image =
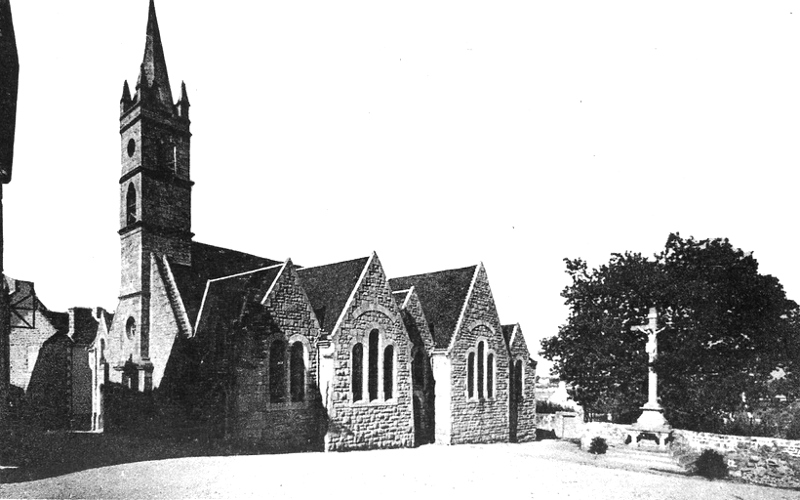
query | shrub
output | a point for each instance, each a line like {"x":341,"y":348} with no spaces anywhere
{"x":598,"y":446}
{"x":711,"y":465}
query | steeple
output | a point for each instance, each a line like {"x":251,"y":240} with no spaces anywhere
{"x":154,"y":67}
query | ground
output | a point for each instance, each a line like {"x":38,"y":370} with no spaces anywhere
{"x":545,"y":469}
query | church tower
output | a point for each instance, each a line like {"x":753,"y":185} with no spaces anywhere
{"x":155,"y":201}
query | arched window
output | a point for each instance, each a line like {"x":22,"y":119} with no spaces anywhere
{"x":471,"y":375}
{"x":130,"y":328}
{"x":357,"y":373}
{"x":490,"y":376}
{"x":372,"y":359}
{"x":388,"y":372}
{"x":130,"y":204}
{"x":102,"y":350}
{"x":297,"y":365}
{"x":418,"y":370}
{"x":518,"y":377}
{"x":277,"y":372}
{"x":480,"y":369}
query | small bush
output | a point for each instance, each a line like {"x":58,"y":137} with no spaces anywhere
{"x":598,"y":446}
{"x":711,"y":465}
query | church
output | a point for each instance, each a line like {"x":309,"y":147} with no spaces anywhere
{"x":334,"y":357}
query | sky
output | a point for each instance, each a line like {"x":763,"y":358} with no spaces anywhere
{"x":438,"y":134}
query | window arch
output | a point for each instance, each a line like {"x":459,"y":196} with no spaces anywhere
{"x":297,"y":368}
{"x":388,"y":372}
{"x":490,"y":376}
{"x":471,"y":375}
{"x":372,"y":359}
{"x":518,"y":380}
{"x":130,"y":328}
{"x":277,"y":372}
{"x":481,"y":361}
{"x":357,"y":372}
{"x":418,"y":369}
{"x":130,"y":204}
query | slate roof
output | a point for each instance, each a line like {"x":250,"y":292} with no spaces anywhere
{"x":507,"y":331}
{"x":59,"y":320}
{"x":400,"y":296}
{"x":210,"y":262}
{"x":225,"y":297}
{"x":442,"y":295}
{"x":328,"y":288}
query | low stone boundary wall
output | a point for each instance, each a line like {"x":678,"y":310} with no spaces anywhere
{"x":564,"y":425}
{"x":759,"y":460}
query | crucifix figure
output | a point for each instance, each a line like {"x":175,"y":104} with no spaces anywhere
{"x":652,"y":419}
{"x":652,"y":331}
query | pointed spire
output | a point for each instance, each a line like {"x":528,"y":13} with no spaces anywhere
{"x":154,"y":66}
{"x":184,"y":96}
{"x":126,"y":93}
{"x":182,"y":106}
{"x":125,"y":101}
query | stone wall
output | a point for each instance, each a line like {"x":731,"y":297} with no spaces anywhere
{"x":379,"y":423}
{"x":25,"y":344}
{"x":759,"y":460}
{"x":163,"y":324}
{"x":479,"y":419}
{"x":279,"y":426}
{"x":525,"y":407}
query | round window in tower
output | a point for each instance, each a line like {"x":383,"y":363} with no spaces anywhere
{"x":131,"y":147}
{"x":130,"y":328}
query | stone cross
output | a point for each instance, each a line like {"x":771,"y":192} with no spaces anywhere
{"x":651,"y":329}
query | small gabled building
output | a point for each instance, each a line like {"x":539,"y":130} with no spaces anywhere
{"x":470,"y":359}
{"x":522,"y":382}
{"x":422,"y":380}
{"x":257,"y":336}
{"x":365,"y":364}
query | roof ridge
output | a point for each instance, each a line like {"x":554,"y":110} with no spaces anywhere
{"x":463,"y":312}
{"x":352,"y":295}
{"x":333,"y":263}
{"x":244,"y":273}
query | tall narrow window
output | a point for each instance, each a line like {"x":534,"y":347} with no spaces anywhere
{"x":102,"y":350}
{"x":277,"y":372}
{"x":418,"y":370}
{"x":130,"y":204}
{"x":490,"y":376}
{"x":471,"y":375}
{"x":480,"y":369}
{"x":297,"y":365}
{"x":357,"y":373}
{"x":372,"y":359}
{"x":518,"y":380}
{"x":130,"y":328}
{"x":388,"y":372}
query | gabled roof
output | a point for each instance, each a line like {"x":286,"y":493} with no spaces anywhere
{"x":400,"y":296}
{"x":226,"y":298}
{"x":508,"y":330}
{"x":210,"y":262}
{"x":442,"y":295}
{"x":329,"y":287}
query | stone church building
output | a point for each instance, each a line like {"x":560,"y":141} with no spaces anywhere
{"x":333,"y":357}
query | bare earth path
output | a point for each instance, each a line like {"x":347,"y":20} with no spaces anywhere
{"x":546,"y":469}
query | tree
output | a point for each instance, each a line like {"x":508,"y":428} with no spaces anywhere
{"x":727,"y":328}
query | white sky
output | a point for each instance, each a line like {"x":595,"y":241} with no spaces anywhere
{"x":438,"y":134}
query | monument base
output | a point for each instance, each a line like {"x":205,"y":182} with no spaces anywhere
{"x":651,"y":424}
